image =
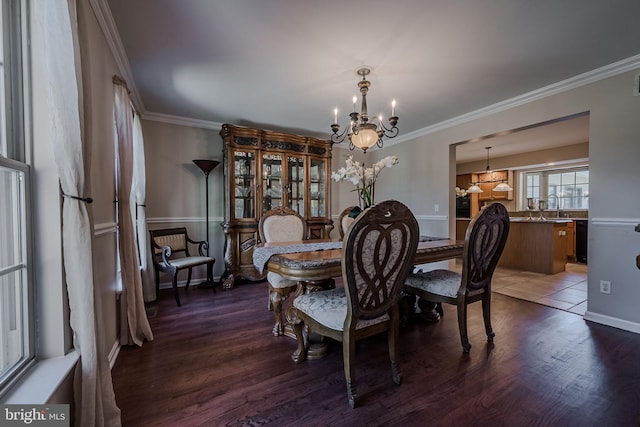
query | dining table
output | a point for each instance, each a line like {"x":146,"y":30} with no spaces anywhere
{"x":318,"y":260}
{"x":314,"y":264}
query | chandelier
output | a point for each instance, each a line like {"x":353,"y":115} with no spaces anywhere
{"x":503,"y":186}
{"x":360,"y":132}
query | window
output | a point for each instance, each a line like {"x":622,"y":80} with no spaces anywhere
{"x":533,"y":186}
{"x":17,"y":348}
{"x":563,"y":189}
{"x":571,"y":190}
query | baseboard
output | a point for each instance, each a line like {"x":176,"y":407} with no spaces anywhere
{"x":612,"y":321}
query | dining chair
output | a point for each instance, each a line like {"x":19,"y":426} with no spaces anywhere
{"x":345,"y":220}
{"x":280,"y":224}
{"x":485,"y":239}
{"x":377,"y":256}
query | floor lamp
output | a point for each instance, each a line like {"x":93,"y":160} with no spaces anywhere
{"x":207,"y":166}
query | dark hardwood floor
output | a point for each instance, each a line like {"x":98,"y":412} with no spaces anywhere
{"x":214,"y":362}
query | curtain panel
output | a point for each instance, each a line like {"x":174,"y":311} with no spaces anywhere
{"x":139,"y":212}
{"x":56,"y":28}
{"x":134,"y":323}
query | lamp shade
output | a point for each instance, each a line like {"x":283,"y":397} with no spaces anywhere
{"x":206,"y":165}
{"x":474,"y":189}
{"x":366,"y":137}
{"x":503,"y":186}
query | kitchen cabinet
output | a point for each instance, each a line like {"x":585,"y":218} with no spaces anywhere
{"x":488,"y":181}
{"x":464,"y":181}
{"x":538,"y":246}
{"x":263,"y":170}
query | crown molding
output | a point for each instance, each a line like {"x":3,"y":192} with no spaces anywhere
{"x":589,"y":77}
{"x":184,"y":121}
{"x":108,"y":26}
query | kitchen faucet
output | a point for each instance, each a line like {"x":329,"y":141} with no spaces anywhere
{"x":558,"y":210}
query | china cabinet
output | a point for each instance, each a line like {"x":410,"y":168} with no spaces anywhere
{"x":263,"y":170}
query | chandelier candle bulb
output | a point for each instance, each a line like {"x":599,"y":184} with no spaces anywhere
{"x":335,"y":115}
{"x":393,"y":108}
{"x":355,"y":99}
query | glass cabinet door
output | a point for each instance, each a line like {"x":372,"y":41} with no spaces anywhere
{"x":244,"y":181}
{"x":295,"y":172}
{"x":318,"y":192}
{"x":272,"y":181}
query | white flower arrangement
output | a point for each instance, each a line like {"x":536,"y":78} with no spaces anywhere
{"x":363,"y":178}
{"x":460,"y":192}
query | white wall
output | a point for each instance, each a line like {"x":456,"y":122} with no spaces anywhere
{"x":176,"y":186}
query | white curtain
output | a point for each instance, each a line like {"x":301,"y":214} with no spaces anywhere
{"x":138,"y":211}
{"x":134,"y":325}
{"x":56,"y":28}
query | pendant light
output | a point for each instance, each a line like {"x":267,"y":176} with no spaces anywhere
{"x":503,"y":186}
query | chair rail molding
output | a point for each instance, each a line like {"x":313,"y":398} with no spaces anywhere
{"x":184,"y":219}
{"x":104,"y":228}
{"x":618,"y":222}
{"x":432,"y":217}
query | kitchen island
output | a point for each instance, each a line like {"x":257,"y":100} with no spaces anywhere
{"x":538,"y":246}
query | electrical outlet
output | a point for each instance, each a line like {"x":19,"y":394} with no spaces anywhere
{"x":605,"y":286}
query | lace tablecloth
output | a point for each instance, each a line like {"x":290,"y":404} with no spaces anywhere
{"x":262,"y":254}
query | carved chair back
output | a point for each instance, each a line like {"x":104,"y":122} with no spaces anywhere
{"x":377,"y":257}
{"x":485,"y":239}
{"x":282,"y":224}
{"x":344,"y":221}
{"x":175,"y":238}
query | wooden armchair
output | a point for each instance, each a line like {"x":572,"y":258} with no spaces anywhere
{"x":377,"y":256}
{"x":484,"y":241}
{"x":280,"y":224}
{"x":170,"y":254}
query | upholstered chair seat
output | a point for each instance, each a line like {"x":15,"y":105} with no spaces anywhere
{"x":440,"y":282}
{"x":329,"y":308}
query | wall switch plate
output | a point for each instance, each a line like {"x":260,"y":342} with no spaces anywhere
{"x":605,"y":286}
{"x":436,"y":208}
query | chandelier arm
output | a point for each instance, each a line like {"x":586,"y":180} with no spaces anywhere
{"x":392,"y":131}
{"x":336,"y":137}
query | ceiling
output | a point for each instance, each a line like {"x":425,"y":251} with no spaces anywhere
{"x":286,"y":64}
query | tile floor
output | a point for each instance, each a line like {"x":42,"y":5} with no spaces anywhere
{"x":565,"y":291}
